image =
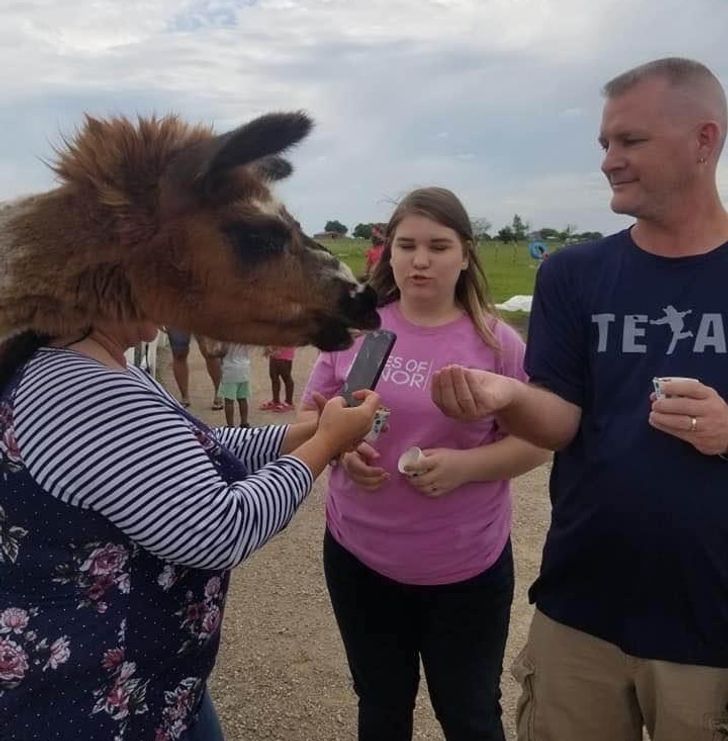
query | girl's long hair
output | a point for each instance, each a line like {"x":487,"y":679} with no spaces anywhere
{"x":471,"y":290}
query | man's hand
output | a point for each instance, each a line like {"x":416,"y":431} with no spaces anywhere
{"x":694,"y":413}
{"x":468,"y":394}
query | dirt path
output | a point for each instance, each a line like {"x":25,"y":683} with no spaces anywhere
{"x":281,"y":673}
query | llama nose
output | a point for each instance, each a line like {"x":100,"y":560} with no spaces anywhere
{"x":358,"y":307}
{"x":355,"y":309}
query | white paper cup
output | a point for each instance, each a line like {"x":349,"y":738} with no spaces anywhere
{"x":657,"y":385}
{"x":380,"y":420}
{"x":409,"y":461}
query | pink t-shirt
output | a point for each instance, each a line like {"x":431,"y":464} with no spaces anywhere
{"x":396,"y":530}
{"x":283,"y":353}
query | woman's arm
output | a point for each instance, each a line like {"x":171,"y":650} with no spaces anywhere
{"x":103,"y":441}
{"x":255,"y":447}
{"x":503,"y":459}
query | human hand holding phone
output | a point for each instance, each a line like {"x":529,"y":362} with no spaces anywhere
{"x":344,"y":426}
{"x":340,"y":429}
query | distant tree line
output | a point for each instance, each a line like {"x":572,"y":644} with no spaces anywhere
{"x":517,"y":231}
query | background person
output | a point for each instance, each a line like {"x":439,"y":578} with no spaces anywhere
{"x":179,"y":343}
{"x":280,"y":371}
{"x":374,"y":253}
{"x":235,"y":384}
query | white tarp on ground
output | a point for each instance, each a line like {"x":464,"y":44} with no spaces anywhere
{"x":516,"y":303}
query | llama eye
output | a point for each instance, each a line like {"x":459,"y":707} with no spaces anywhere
{"x":256,"y":242}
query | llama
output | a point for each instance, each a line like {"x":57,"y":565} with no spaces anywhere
{"x":163,"y":221}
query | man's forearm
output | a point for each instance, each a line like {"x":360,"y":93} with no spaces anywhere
{"x":541,"y":417}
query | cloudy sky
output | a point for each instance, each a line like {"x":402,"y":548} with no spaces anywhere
{"x":497,"y":99}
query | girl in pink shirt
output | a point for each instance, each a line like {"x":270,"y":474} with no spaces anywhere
{"x":280,"y":367}
{"x":420,"y":566}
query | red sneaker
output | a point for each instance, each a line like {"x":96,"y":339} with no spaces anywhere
{"x":268,"y":406}
{"x":284,"y":406}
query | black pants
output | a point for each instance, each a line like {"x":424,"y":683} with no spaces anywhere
{"x":458,"y":630}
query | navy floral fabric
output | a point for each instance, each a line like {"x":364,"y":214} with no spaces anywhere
{"x":99,"y":639}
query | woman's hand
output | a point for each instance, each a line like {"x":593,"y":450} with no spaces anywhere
{"x":439,"y":473}
{"x":340,"y":429}
{"x":345,"y":427}
{"x":359,"y":465}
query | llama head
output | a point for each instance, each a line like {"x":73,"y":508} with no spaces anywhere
{"x":166,"y":222}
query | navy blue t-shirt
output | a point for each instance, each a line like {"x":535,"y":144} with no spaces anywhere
{"x":637,"y":552}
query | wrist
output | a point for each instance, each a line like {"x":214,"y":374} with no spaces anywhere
{"x":297,"y":434}
{"x":517,"y":394}
{"x":724,"y":452}
{"x":316,"y":453}
{"x":328,"y":442}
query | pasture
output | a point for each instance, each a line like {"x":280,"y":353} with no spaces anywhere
{"x":509,"y":269}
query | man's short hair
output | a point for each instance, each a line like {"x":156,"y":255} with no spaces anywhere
{"x":676,"y":71}
{"x":686,"y":74}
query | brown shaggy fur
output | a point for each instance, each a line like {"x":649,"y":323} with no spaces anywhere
{"x":140,"y":228}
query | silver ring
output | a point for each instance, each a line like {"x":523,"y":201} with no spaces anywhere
{"x":693,"y":424}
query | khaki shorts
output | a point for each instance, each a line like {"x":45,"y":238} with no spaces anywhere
{"x":575,"y":687}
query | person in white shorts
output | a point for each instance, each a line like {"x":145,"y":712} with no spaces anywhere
{"x":235,"y":383}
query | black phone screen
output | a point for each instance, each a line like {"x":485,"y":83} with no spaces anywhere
{"x":368,"y":364}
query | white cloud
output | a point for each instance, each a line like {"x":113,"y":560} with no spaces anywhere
{"x":497,"y":99}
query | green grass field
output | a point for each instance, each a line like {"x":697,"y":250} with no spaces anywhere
{"x":509,"y":268}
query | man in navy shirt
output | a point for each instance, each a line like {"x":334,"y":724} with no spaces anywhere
{"x":631,"y":622}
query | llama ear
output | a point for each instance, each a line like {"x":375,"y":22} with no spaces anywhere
{"x":203,"y":166}
{"x":274,"y":168}
{"x":256,"y":140}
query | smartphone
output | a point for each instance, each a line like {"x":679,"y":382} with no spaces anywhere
{"x":368,"y":364}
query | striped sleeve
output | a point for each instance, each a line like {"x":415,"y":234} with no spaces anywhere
{"x":103,"y":440}
{"x":254,"y":446}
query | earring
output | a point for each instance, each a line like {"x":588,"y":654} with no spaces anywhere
{"x":702,"y":160}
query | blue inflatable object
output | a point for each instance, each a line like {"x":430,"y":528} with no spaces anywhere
{"x":537,"y":249}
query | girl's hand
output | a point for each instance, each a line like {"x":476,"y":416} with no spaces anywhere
{"x":439,"y":473}
{"x":359,"y":465}
{"x":317,"y":404}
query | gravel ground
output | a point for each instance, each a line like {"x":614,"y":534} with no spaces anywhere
{"x":281,"y":673}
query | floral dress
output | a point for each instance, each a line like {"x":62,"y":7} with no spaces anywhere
{"x":99,"y":638}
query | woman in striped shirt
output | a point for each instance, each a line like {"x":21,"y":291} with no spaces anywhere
{"x":121,"y":516}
